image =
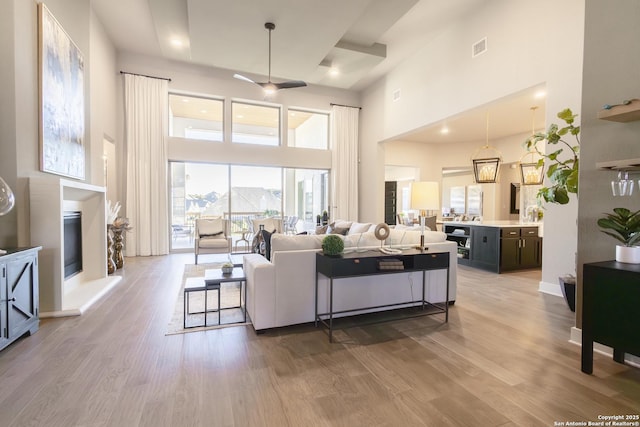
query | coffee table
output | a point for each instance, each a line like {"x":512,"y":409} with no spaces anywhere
{"x":214,"y":277}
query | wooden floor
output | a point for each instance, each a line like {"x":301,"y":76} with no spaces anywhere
{"x":502,"y":360}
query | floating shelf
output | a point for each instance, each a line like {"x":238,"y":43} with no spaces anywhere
{"x":620,"y":165}
{"x":622,"y":113}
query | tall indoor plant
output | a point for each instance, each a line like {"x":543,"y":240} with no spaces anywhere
{"x":562,"y":174}
{"x":562,"y":171}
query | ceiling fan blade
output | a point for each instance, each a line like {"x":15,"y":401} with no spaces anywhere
{"x":246,"y":79}
{"x":290,"y":84}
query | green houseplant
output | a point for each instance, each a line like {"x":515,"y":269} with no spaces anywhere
{"x":624,"y":226}
{"x":563,"y":174}
{"x":332,"y":245}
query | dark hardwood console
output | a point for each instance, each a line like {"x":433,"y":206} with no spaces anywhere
{"x":610,"y":300}
{"x":18,"y":294}
{"x":373,"y":263}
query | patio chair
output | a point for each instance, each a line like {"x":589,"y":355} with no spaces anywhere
{"x":212,"y":237}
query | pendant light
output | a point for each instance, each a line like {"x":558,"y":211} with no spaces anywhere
{"x":531,"y":172}
{"x":486,"y":162}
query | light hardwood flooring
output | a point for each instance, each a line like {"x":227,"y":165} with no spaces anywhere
{"x":502,"y":360}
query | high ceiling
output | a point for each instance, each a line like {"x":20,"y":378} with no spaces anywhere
{"x":361,"y":39}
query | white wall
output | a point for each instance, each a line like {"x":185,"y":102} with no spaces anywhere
{"x":442,"y":80}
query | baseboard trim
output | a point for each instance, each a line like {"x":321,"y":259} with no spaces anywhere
{"x":550,"y":288}
{"x":576,"y":338}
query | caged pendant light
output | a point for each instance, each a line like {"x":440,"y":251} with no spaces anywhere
{"x":532,"y":172}
{"x":486,"y":162}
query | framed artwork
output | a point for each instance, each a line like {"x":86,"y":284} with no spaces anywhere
{"x":474,"y":200}
{"x":61,"y":69}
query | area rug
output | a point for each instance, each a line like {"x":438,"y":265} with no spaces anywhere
{"x":229,"y":297}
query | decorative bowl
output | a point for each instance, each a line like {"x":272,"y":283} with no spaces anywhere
{"x":227,"y":270}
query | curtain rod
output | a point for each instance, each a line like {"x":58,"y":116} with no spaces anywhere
{"x":342,"y":105}
{"x":144,"y":75}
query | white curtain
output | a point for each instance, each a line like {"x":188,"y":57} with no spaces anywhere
{"x":344,"y":165}
{"x":146,"y":116}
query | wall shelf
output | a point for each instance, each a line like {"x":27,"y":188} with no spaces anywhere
{"x":622,"y":113}
{"x":620,"y":165}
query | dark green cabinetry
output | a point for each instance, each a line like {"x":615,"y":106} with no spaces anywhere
{"x":610,"y":300}
{"x":18,"y":294}
{"x":485,"y":248}
{"x":496,"y":249}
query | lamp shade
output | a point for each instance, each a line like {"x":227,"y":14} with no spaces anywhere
{"x":425,"y":196}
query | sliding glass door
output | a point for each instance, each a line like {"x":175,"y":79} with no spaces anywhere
{"x":242,"y":193}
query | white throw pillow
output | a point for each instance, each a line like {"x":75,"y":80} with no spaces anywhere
{"x":211,"y":227}
{"x":359,"y":227}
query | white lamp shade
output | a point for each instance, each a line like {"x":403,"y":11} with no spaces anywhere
{"x":425,"y":196}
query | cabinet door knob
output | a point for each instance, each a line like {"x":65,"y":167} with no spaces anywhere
{"x":12,"y":299}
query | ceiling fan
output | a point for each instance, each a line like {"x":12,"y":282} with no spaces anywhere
{"x":270,"y":87}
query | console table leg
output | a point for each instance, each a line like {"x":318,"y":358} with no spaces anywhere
{"x":587,"y":354}
{"x":315,"y":317}
{"x":618,"y":355}
{"x":446,"y":300}
{"x":424,"y":274}
{"x":331,"y":310}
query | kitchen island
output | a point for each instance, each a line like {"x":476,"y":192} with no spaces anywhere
{"x":497,"y":246}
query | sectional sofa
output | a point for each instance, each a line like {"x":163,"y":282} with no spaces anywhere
{"x":281,"y":290}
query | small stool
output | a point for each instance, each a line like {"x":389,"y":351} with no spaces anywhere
{"x":243,"y":240}
{"x":197,"y":284}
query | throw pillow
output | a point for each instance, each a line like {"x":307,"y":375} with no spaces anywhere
{"x":337,"y":230}
{"x":322,"y":229}
{"x":211,"y":234}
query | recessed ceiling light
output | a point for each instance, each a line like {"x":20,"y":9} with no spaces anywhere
{"x":334,"y":71}
{"x":444,"y":130}
{"x":540,"y":94}
{"x":239,"y":116}
{"x":185,"y":100}
{"x":203,"y":111}
{"x":176,"y":42}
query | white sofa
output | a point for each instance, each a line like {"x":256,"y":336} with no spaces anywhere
{"x":281,"y":292}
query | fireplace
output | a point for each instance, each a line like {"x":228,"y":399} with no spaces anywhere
{"x":72,"y":243}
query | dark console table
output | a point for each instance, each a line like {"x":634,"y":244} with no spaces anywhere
{"x":368,"y":264}
{"x":610,"y":301}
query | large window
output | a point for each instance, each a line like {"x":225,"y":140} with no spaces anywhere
{"x":242,"y":193}
{"x":255,"y":124}
{"x":195,"y":117}
{"x":308,"y":129}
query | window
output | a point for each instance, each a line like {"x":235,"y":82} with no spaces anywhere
{"x":308,"y":129}
{"x":242,"y":193}
{"x":195,"y":117}
{"x":198,"y":190}
{"x":306,"y":195}
{"x":255,"y":124}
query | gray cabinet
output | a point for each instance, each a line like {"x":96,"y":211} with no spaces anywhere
{"x":19,"y":290}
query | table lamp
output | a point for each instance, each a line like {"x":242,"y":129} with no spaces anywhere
{"x":425,"y":196}
{"x":7,"y":201}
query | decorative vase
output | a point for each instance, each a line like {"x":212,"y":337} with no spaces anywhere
{"x":227,"y":270}
{"x":111,"y":266}
{"x":118,"y":246}
{"x":628,"y":254}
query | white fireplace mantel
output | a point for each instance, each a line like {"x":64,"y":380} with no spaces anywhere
{"x":50,"y":197}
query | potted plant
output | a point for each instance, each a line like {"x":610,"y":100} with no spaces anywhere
{"x":227,"y":268}
{"x":563,"y":174}
{"x":624,"y":226}
{"x":332,"y":245}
